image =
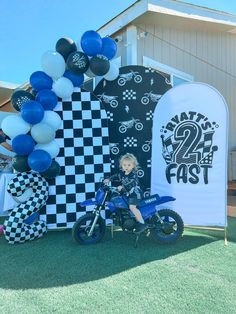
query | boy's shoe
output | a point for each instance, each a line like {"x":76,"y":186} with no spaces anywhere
{"x":140,"y":227}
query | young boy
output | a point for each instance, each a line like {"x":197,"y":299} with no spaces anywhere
{"x":130,"y":185}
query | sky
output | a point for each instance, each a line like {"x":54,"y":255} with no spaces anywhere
{"x":30,"y":28}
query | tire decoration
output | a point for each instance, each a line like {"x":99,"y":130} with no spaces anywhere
{"x":16,"y":229}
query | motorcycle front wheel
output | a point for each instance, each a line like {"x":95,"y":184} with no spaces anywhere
{"x":81,"y":228}
{"x":170,"y":229}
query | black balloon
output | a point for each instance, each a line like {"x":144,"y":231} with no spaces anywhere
{"x":77,"y":62}
{"x":99,"y":65}
{"x":19,"y":97}
{"x":65,"y":46}
{"x":53,"y":171}
{"x":20,"y":164}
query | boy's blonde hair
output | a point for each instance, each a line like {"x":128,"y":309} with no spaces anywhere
{"x":129,"y":157}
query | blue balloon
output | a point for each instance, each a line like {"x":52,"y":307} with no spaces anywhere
{"x":23,"y":144}
{"x":47,"y":98}
{"x":32,"y":218}
{"x":40,"y":80}
{"x":109,"y":47}
{"x":32,"y":112}
{"x":91,"y":43}
{"x":77,"y":80}
{"x":39,"y":160}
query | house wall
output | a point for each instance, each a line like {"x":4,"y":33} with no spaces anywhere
{"x":7,"y":107}
{"x":121,"y":39}
{"x":209,"y":56}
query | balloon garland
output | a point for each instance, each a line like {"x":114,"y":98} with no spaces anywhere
{"x":33,"y":129}
{"x":16,"y":229}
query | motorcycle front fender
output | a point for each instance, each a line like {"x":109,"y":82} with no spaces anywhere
{"x":165,"y":199}
{"x":88,"y":202}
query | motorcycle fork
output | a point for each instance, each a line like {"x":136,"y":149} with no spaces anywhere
{"x":97,"y":214}
{"x":159,"y":218}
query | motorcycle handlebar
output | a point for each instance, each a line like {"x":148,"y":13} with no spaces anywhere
{"x":107,"y":187}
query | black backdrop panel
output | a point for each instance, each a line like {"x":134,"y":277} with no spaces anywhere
{"x":130,"y":101}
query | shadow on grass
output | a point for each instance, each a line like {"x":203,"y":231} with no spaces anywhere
{"x":56,"y":260}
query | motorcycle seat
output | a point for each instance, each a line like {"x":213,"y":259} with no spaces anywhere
{"x":149,"y":200}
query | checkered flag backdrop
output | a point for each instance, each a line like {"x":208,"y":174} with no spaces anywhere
{"x":84,"y":159}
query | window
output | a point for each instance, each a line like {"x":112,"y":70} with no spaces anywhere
{"x":176,"y":77}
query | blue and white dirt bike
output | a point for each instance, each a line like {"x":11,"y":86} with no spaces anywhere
{"x":165,"y":225}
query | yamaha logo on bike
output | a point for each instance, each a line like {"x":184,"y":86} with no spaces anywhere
{"x":188,"y":148}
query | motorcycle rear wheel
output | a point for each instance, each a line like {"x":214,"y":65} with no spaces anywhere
{"x":172,"y":228}
{"x":82,"y":227}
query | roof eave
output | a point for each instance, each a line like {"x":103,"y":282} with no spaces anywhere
{"x":169,"y":7}
{"x":124,"y":18}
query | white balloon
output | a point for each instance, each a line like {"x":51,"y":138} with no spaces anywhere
{"x":63,"y":88}
{"x":14,"y":125}
{"x":53,"y":64}
{"x":52,"y":118}
{"x":52,"y":148}
{"x":42,"y":133}
{"x":113,"y":72}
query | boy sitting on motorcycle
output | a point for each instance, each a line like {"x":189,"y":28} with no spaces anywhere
{"x":129,"y":184}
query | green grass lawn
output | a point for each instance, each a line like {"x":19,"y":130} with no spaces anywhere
{"x":55,"y":275}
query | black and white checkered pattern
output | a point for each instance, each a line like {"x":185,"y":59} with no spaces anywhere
{"x":168,"y":148}
{"x":84,"y":159}
{"x":149,"y":115}
{"x":109,"y":115}
{"x":149,"y":70}
{"x":208,"y":159}
{"x":113,"y":164}
{"x":129,"y":94}
{"x":130,"y":142}
{"x":15,"y":228}
{"x":206,"y":144}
